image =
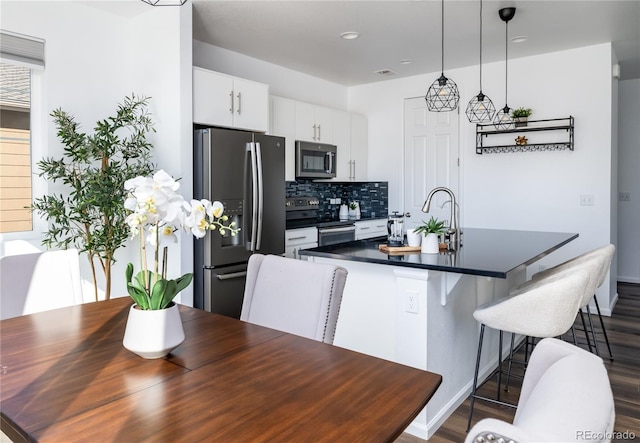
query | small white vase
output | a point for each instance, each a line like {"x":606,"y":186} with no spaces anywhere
{"x":153,"y":333}
{"x":430,"y":244}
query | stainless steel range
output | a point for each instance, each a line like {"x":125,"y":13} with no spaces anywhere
{"x":304,"y":212}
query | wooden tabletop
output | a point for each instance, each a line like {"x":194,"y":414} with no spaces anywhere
{"x":65,"y":376}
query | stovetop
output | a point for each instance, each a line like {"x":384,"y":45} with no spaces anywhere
{"x":320,"y":222}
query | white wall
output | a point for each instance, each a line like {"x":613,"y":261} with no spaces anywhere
{"x":629,"y":181}
{"x":96,"y":54}
{"x":532,"y":190}
{"x":282,"y":82}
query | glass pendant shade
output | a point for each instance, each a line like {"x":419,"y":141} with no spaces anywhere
{"x":503,"y":120}
{"x":442,"y":95}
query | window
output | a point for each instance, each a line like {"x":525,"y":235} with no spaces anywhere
{"x":19,"y":55}
{"x":15,"y":148}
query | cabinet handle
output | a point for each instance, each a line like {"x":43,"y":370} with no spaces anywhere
{"x":231,"y":108}
{"x":365,"y":228}
{"x":314,"y":132}
{"x":239,"y":101}
{"x":296,"y":238}
{"x":319,"y":135}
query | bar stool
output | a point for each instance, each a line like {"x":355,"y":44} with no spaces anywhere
{"x":605,"y":255}
{"x":546,"y":308}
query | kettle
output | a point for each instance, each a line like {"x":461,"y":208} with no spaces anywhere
{"x":395,"y":229}
{"x":344,"y":213}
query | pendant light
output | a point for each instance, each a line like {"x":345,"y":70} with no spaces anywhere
{"x":480,"y":108}
{"x":503,"y":118}
{"x":443,"y":94}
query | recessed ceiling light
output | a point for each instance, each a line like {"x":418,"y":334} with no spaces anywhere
{"x":406,"y":61}
{"x":519,"y":39}
{"x":349,"y":35}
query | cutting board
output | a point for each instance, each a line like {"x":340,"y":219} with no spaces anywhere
{"x":398,"y":249}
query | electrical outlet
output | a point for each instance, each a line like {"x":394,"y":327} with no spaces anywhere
{"x":412,"y":302}
{"x":624,"y":196}
{"x":586,"y":200}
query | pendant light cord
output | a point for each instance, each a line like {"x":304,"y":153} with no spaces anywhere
{"x":442,"y":39}
{"x":506,"y":61}
{"x":480,"y":46}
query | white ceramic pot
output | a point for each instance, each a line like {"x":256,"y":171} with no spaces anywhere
{"x":413,"y":239}
{"x":430,"y":244}
{"x":153,"y":334}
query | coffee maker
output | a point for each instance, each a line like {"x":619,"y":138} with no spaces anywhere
{"x":395,"y":229}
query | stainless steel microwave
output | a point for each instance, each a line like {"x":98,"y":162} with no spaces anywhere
{"x":315,"y":160}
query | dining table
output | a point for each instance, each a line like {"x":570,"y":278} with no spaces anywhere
{"x":65,"y":377}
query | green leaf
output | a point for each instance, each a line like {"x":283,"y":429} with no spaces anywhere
{"x":157,"y":294}
{"x":169,"y":294}
{"x":129,"y":272}
{"x":183,"y":282}
{"x":138,"y":296}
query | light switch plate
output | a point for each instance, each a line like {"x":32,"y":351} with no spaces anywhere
{"x":624,"y":196}
{"x":586,"y":200}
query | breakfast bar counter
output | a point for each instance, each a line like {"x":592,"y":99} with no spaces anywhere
{"x":417,"y":309}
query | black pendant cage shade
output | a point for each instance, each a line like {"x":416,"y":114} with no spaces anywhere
{"x":503,"y":119}
{"x":480,"y":108}
{"x":442,"y":95}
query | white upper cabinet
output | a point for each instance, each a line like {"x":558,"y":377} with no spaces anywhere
{"x":283,"y":124}
{"x":350,"y":135}
{"x":314,"y":123}
{"x":358,"y":147}
{"x":224,"y":100}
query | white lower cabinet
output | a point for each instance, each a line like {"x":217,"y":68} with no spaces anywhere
{"x":371,"y":228}
{"x":298,"y":239}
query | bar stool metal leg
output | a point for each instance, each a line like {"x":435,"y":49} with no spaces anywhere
{"x":475,"y":377}
{"x":604,"y":331}
{"x":593,"y":332}
{"x":584,"y":326}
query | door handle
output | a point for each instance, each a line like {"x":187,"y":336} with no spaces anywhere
{"x":254,"y":189}
{"x":231,"y":275}
{"x":260,"y":195}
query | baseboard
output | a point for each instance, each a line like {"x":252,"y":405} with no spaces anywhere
{"x":628,"y":280}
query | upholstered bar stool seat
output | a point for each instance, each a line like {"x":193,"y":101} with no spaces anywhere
{"x":295,"y":296}
{"x":544,"y":309}
{"x":605,"y":255}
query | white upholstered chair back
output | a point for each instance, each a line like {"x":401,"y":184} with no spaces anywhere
{"x":566,"y":396}
{"x":294,"y":296}
{"x":38,"y":282}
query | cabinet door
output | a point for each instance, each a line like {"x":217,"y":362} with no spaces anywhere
{"x":212,"y":98}
{"x":342,"y":139}
{"x":251,"y":105}
{"x":283,"y":118}
{"x":359,"y":141}
{"x":324,"y":124}
{"x":305,"y":122}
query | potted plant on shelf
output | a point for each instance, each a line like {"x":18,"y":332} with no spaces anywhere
{"x":521,"y":116}
{"x":156,"y":213}
{"x":430,"y":231}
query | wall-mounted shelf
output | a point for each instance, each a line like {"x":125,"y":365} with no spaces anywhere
{"x":557,"y":141}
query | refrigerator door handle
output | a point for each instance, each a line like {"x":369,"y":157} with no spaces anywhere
{"x":254,"y":189}
{"x":258,"y":241}
{"x":231,"y":275}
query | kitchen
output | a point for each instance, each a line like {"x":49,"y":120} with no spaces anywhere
{"x":536,"y":191}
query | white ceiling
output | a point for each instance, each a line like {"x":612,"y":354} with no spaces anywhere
{"x":304,"y":35}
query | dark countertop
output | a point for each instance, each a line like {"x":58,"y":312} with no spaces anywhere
{"x":485,"y":252}
{"x":320,"y":222}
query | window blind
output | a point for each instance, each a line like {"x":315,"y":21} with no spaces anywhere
{"x":22,"y":50}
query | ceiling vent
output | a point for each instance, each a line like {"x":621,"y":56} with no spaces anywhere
{"x":385,"y":72}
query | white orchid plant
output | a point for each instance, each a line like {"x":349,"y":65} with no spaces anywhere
{"x":157,"y":212}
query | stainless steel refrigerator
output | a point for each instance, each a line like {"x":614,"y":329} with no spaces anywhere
{"x":244,"y":171}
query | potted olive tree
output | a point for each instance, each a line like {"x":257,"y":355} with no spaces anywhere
{"x":90,"y":214}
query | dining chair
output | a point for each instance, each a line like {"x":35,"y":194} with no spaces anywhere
{"x":295,"y":296}
{"x":605,"y":255}
{"x":554,"y":405}
{"x":31,"y":283}
{"x":544,"y":309}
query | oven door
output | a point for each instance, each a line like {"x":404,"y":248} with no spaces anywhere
{"x":334,"y":235}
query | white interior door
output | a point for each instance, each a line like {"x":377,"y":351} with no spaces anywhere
{"x":430,"y":160}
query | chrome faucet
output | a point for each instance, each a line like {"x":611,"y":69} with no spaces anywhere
{"x":452,"y":232}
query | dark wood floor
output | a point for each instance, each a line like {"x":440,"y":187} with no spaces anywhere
{"x":623,"y":329}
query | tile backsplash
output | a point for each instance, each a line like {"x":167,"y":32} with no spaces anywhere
{"x":372,"y":196}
